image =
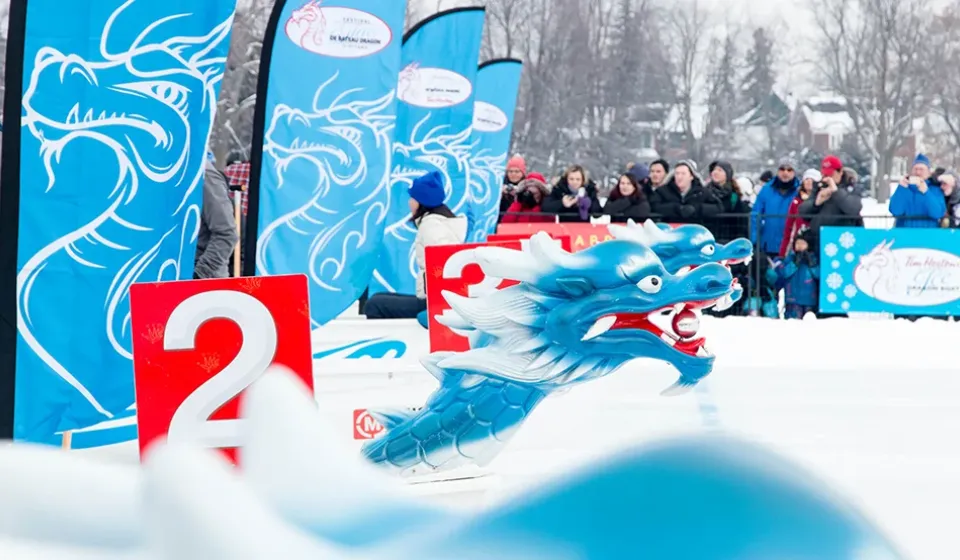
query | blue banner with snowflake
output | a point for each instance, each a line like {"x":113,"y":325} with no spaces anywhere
{"x":904,"y":271}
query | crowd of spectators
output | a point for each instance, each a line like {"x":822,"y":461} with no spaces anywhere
{"x":782,"y":216}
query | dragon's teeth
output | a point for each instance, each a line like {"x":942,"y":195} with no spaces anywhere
{"x":748,"y":260}
{"x":599,"y":327}
{"x":677,"y":308}
{"x":724,"y":303}
{"x":702,"y":352}
{"x":668,"y":339}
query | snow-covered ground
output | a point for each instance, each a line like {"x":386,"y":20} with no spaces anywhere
{"x":876,"y":215}
{"x":871,"y":406}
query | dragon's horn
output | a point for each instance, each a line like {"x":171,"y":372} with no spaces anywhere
{"x":654,"y":232}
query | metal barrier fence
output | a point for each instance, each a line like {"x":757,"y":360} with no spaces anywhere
{"x":726,"y":227}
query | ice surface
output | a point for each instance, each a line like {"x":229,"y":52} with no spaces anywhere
{"x":869,"y":406}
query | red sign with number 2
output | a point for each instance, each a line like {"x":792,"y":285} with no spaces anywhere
{"x":197,"y":345}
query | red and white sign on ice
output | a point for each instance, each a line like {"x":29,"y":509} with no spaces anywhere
{"x":198,"y":344}
{"x":524,"y":239}
{"x":454,"y":268}
{"x":365,"y":426}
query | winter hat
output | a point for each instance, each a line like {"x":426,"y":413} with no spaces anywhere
{"x":517,"y":162}
{"x":787,"y":162}
{"x":956,"y":180}
{"x":535,"y":181}
{"x":725,"y":165}
{"x":806,"y":234}
{"x":689,"y":164}
{"x":830,"y":165}
{"x":428,"y":190}
{"x":812,"y":174}
{"x":639,"y":172}
{"x":537,"y":177}
{"x":923,"y":160}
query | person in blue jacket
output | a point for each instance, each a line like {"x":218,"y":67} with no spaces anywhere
{"x":799,"y":275}
{"x":769,"y":216}
{"x":918,"y":202}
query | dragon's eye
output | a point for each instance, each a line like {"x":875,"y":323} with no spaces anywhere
{"x":709,"y":250}
{"x":651,"y":284}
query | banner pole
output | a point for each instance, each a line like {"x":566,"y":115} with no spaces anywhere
{"x":237,"y":204}
{"x":10,"y":213}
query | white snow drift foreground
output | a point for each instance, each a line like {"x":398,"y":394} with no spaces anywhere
{"x":299,"y":497}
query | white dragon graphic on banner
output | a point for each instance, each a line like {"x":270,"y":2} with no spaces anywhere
{"x":135,"y":142}
{"x":327,"y":149}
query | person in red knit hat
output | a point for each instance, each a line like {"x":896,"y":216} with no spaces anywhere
{"x":526,"y":206}
{"x":516,"y":173}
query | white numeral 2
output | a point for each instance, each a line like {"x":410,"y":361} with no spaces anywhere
{"x":191,"y":422}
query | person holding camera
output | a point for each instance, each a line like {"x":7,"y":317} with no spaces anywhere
{"x":798,"y":275}
{"x":918,"y":201}
{"x":834,"y":201}
{"x":574,"y":198}
{"x":515,"y":174}
{"x":529,"y":196}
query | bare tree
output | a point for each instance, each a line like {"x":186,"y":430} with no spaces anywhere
{"x":504,"y":27}
{"x":873,"y":53}
{"x":233,"y":129}
{"x":687,"y":32}
{"x":723,"y":99}
{"x":945,"y":123}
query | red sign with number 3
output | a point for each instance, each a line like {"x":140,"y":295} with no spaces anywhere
{"x":197,"y":345}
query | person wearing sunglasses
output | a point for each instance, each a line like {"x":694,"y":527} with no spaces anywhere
{"x":769,"y":216}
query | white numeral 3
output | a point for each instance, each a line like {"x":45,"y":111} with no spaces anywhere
{"x":191,"y":422}
{"x":454,"y":266}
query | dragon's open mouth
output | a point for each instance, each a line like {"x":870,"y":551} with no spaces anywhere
{"x":677,"y":325}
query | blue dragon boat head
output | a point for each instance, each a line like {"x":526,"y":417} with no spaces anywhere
{"x":573,"y":318}
{"x":685,"y":247}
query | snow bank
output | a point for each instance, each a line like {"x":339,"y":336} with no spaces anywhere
{"x":870,"y":405}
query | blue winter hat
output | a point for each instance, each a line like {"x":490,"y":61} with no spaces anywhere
{"x":639,"y":172}
{"x":428,"y":190}
{"x":924,"y":160}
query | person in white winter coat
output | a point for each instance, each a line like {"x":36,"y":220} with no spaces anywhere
{"x":436,"y":225}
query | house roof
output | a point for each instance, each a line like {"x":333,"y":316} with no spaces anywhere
{"x":827,"y":115}
{"x":699,"y":114}
{"x":774,"y":109}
